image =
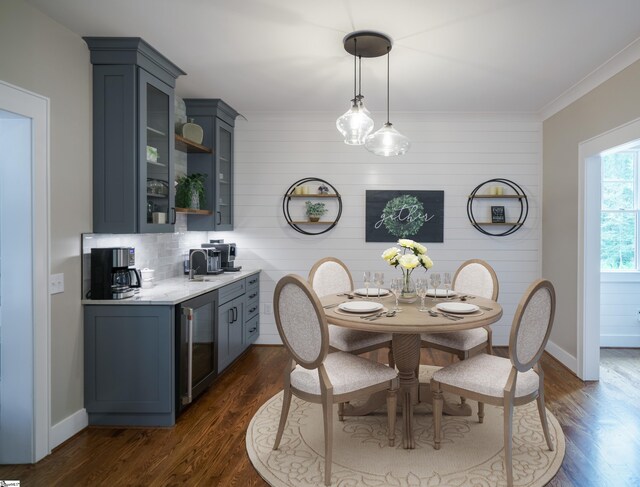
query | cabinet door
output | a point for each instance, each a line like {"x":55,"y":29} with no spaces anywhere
{"x":224,"y":176}
{"x":156,"y":209}
{"x":129,"y":357}
{"x":230,"y":332}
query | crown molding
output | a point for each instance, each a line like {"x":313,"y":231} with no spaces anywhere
{"x":621,"y":60}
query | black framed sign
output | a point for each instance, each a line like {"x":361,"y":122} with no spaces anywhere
{"x":418,"y":215}
{"x":497,"y":214}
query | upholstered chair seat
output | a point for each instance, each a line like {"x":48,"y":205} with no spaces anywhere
{"x":331,"y":276}
{"x":317,"y":376}
{"x":464,"y":340}
{"x":505,"y":382}
{"x":347,"y":373}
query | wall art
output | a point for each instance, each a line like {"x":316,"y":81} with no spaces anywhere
{"x":418,"y":215}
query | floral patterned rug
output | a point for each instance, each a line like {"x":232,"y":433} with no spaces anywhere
{"x":471,"y":454}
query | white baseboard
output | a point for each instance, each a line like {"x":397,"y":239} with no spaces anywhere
{"x":620,"y":341}
{"x":268,"y":340}
{"x":562,"y":356}
{"x":69,"y":426}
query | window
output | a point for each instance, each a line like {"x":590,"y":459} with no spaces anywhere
{"x":619,"y":212}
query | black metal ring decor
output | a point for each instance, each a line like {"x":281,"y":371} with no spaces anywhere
{"x":519,"y":194}
{"x":287,"y":199}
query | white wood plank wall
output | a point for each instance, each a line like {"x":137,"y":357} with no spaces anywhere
{"x":619,"y":306}
{"x":450,"y":153}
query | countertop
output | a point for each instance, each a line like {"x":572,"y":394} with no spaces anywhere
{"x":176,"y":290}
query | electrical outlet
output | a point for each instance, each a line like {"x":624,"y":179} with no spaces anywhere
{"x":56,"y":283}
{"x":266,"y":308}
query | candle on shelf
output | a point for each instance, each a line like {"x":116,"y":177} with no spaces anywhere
{"x":493,"y":190}
{"x":297,"y":190}
{"x":499,"y":190}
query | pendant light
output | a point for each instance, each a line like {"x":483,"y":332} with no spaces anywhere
{"x":356,"y":124}
{"x":387,"y":141}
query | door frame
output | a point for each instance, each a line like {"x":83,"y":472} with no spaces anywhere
{"x":588,"y":292}
{"x":36,"y":107}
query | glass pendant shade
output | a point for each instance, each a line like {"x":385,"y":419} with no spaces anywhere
{"x":387,"y":142}
{"x":355,"y":124}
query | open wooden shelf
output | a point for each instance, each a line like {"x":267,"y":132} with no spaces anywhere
{"x":186,"y":145}
{"x":191,"y":211}
{"x":498,"y":196}
{"x":307,"y":222}
{"x":312,"y":195}
{"x":512,"y":224}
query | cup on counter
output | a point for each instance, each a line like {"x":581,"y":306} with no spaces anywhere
{"x":159,"y":217}
{"x":147,"y":277}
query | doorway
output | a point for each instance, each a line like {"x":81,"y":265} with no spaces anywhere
{"x":24,"y":276}
{"x":589,"y":235}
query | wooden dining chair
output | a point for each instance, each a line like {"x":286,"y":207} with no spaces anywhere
{"x":331,"y":276}
{"x":505,"y":382}
{"x":475,"y":277}
{"x":317,"y":376}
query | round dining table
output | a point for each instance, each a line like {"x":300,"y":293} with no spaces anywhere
{"x":406,"y":327}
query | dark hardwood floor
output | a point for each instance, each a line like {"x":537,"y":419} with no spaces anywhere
{"x":601,"y":421}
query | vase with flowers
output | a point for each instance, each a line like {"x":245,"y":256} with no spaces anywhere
{"x":408,"y":257}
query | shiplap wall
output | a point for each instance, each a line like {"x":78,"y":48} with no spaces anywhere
{"x":619,"y":305}
{"x":450,"y":153}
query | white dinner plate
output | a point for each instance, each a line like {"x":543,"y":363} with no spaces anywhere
{"x":360,"y":306}
{"x":462,"y":308}
{"x":373,"y":291}
{"x":441,"y":293}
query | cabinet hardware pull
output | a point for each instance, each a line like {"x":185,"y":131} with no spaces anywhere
{"x":219,"y":217}
{"x":253,"y":295}
{"x":252,"y":329}
{"x":235,"y":314}
{"x":253,"y":281}
{"x":252,"y":309}
{"x":188,"y":312}
{"x":230,"y":315}
{"x":173,"y":220}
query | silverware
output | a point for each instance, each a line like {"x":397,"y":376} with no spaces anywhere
{"x":484,"y":308}
{"x":373,"y":316}
{"x":388,"y":314}
{"x":446,"y":315}
{"x":331,"y":305}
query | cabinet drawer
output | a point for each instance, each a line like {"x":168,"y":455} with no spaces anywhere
{"x":253,"y":282}
{"x":252,"y":309}
{"x":251,"y":330}
{"x":231,"y":291}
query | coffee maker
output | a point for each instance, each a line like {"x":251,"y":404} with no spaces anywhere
{"x":112,"y":275}
{"x":228,"y":253}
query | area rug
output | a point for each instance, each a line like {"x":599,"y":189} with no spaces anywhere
{"x":471,"y":455}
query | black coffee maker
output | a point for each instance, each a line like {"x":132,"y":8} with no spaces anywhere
{"x":112,"y":275}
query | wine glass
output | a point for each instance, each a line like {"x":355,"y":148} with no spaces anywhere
{"x":422,"y":285}
{"x":378,"y":279}
{"x":446,"y":282}
{"x":396,"y":289}
{"x":367,"y":282}
{"x":435,"y":282}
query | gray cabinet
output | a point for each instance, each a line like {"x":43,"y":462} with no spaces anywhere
{"x":238,"y":319}
{"x":129,"y":365}
{"x":217,"y":120}
{"x":133,"y":110}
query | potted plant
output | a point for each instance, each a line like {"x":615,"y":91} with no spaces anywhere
{"x":315,"y":210}
{"x":190,"y":191}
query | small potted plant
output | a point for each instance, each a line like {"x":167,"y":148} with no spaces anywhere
{"x":315,"y":210}
{"x":190,"y":191}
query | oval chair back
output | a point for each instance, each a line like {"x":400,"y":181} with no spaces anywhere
{"x":532,"y":325}
{"x":478,"y":278}
{"x":301,"y":322}
{"x":330,"y":276}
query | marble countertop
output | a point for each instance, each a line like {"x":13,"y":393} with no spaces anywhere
{"x":176,"y":289}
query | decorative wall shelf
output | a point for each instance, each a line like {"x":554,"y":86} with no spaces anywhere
{"x":191,"y":211}
{"x":519,"y":195}
{"x":186,"y":145}
{"x":289,"y":195}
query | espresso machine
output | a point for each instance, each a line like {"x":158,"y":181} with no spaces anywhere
{"x":228,"y":254}
{"x":112,"y":273}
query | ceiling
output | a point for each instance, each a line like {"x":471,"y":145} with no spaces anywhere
{"x":448,"y":55}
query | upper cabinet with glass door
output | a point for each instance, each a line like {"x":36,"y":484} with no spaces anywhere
{"x":133,"y":141}
{"x":217,"y":120}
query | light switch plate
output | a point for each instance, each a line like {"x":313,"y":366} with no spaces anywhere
{"x":56,"y":283}
{"x":266,"y":308}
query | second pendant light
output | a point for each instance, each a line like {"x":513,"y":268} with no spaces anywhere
{"x":356,"y":123}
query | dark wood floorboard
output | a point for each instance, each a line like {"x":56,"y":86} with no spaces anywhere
{"x":601,"y":421}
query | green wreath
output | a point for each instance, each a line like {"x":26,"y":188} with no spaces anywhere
{"x":403,"y":216}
